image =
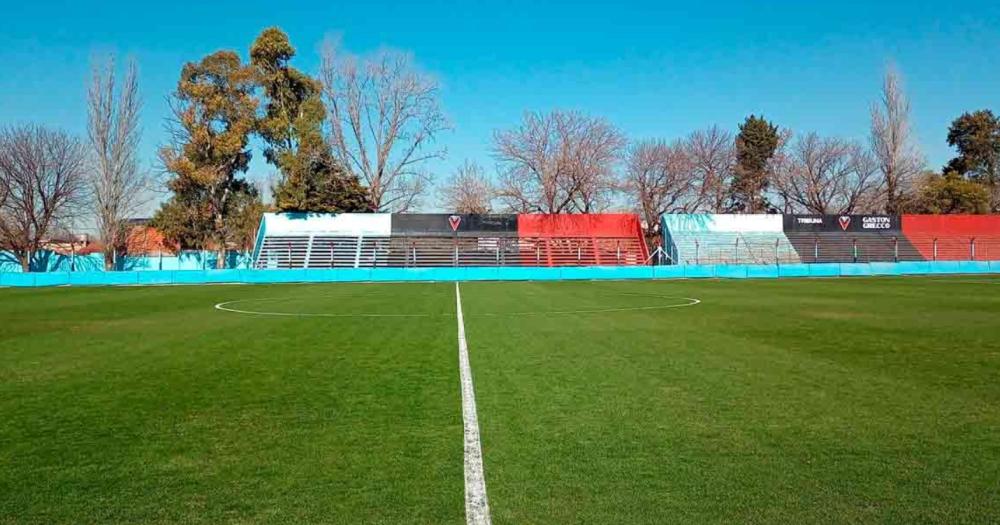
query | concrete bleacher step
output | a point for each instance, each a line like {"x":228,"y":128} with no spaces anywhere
{"x":733,"y":248}
{"x":853,"y":247}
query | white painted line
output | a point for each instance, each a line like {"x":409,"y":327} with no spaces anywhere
{"x":477,"y":507}
{"x":228,"y":307}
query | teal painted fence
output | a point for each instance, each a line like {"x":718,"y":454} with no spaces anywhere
{"x":186,"y":260}
{"x":722,"y":271}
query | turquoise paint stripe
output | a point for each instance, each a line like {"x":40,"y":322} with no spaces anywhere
{"x":763,"y":271}
{"x":731,"y":271}
{"x":722,"y":271}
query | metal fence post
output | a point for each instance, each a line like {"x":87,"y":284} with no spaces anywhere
{"x":456,"y":254}
{"x":935,"y":248}
{"x":855,"y":241}
{"x":895,"y":248}
{"x":972,"y":248}
{"x":697,"y":251}
{"x":816,"y":249}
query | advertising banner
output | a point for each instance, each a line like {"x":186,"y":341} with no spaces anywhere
{"x":454,"y":225}
{"x":842,"y":223}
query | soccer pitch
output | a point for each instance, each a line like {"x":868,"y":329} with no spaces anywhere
{"x":798,"y":401}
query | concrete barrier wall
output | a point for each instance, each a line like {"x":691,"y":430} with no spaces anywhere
{"x":721,"y":271}
{"x":186,"y":260}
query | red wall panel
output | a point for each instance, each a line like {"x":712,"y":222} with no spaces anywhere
{"x":968,"y":225}
{"x":554,"y":236}
{"x":950,"y":237}
{"x":578,"y":225}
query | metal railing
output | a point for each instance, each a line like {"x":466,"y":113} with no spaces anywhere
{"x":832,"y":247}
{"x":365,"y":252}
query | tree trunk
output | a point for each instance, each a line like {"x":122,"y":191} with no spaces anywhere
{"x":109,"y":260}
{"x":220,"y":259}
{"x":25,"y":259}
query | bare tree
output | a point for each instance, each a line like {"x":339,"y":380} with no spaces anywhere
{"x":712,"y":155}
{"x":660,"y":178}
{"x":118,"y":185}
{"x":899,"y":160}
{"x":4,"y":192}
{"x":468,"y":190}
{"x":561,"y":162}
{"x":44,"y":172}
{"x":825,"y":176}
{"x":384,"y":118}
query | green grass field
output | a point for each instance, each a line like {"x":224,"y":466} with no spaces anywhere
{"x":794,"y":401}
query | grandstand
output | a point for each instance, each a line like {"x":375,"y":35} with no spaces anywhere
{"x":317,"y":240}
{"x":300,"y":240}
{"x":848,"y":238}
{"x":777,"y":239}
{"x":726,"y":239}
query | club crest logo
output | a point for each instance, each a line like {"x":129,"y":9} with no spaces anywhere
{"x":454,"y":221}
{"x":845,"y":222}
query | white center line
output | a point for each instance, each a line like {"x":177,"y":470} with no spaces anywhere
{"x":477,"y":507}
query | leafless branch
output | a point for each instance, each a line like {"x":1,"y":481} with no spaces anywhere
{"x":661,"y":178}
{"x":118,"y":185}
{"x":712,"y":155}
{"x":826,"y":176}
{"x":384,"y":118}
{"x":558,"y":163}
{"x":468,"y":190}
{"x":899,"y":160}
{"x":44,"y":180}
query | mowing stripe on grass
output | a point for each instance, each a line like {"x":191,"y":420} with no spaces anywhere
{"x":477,"y":507}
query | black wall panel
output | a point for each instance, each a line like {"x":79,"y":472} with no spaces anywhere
{"x":842,"y":223}
{"x":454,"y":225}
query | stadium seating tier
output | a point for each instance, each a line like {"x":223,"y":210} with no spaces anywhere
{"x":437,"y":240}
{"x":782,"y":239}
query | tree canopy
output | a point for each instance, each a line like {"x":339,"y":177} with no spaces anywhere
{"x":292,"y":128}
{"x":976,"y":136}
{"x":756,"y":144}
{"x":215,"y":112}
{"x":951,"y":193}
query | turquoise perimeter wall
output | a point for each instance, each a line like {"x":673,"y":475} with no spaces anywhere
{"x":186,"y":260}
{"x":153,"y":277}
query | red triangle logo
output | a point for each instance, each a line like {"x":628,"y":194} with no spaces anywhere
{"x":454,"y":221}
{"x":845,"y":222}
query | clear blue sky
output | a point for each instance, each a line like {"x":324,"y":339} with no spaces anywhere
{"x":656,"y":69}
